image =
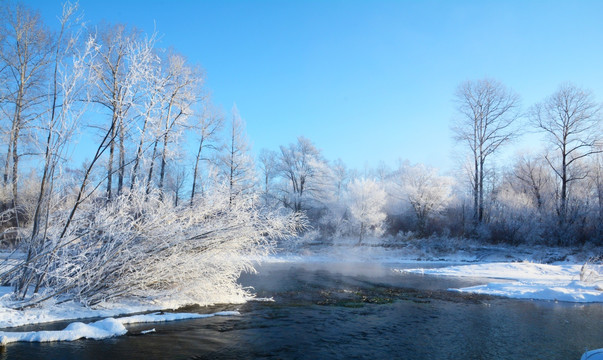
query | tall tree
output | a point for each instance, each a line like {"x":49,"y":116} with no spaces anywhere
{"x":488,"y":112}
{"x":236,"y":164}
{"x":182,"y":82}
{"x":207,"y":126}
{"x":306,"y":173}
{"x":25,"y":55}
{"x":570,"y":120}
{"x":115,"y":85}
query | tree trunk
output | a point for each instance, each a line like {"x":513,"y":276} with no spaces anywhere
{"x":110,"y":163}
{"x":196,"y":170}
{"x":164,"y":152}
{"x":150,"y":176}
{"x":122,"y":157}
{"x":481,"y":191}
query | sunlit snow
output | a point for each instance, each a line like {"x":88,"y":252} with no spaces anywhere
{"x":523,"y":280}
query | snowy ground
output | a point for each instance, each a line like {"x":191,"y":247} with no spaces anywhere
{"x":526,"y":280}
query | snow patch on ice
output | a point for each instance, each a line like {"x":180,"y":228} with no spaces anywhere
{"x":525,"y":280}
{"x":102,"y":329}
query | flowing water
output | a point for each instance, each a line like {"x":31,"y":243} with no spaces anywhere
{"x":353,"y":311}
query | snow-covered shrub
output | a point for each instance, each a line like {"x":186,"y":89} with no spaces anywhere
{"x":140,"y":246}
{"x":592,"y":271}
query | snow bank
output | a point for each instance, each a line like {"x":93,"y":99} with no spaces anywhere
{"x":97,"y":330}
{"x":524,"y":280}
{"x":101,"y":329}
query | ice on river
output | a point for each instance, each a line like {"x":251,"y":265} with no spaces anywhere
{"x":101,"y":329}
{"x":524,"y":280}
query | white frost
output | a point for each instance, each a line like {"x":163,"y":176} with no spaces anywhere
{"x":524,"y":280}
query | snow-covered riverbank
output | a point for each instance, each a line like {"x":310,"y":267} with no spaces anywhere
{"x":101,"y":329}
{"x":526,"y":280}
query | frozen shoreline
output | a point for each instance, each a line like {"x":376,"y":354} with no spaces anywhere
{"x":525,"y":280}
{"x":101,"y":329}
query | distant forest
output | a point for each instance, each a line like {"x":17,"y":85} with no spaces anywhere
{"x":156,"y":138}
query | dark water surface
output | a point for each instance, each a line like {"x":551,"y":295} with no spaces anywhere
{"x":353,"y":311}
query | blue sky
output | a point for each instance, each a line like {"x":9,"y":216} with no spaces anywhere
{"x":367,"y":81}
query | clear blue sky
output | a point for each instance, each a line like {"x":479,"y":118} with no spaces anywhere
{"x":367,"y":80}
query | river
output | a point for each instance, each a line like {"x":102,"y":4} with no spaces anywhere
{"x":352,"y":311}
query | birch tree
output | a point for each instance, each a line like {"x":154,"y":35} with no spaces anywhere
{"x":488,"y":114}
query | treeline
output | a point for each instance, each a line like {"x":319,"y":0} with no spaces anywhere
{"x":154,"y":132}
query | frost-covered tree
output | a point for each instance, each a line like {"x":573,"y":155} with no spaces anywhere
{"x":115,"y":90}
{"x":67,"y":81}
{"x":206,"y":124}
{"x":25,"y":58}
{"x":427,"y":193}
{"x":180,"y":89}
{"x":488,"y":113}
{"x":341,"y":176}
{"x":235,"y":162}
{"x":268,"y":164}
{"x":533,"y":179}
{"x":570,"y":118}
{"x":366,"y":202}
{"x":307,"y":175}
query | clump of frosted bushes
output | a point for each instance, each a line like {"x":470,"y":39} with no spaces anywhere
{"x":141,"y":246}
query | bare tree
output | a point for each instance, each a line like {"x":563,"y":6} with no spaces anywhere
{"x":67,"y":80}
{"x":596,"y":176}
{"x":488,"y":114}
{"x":148,"y":70}
{"x":533,"y":179}
{"x":181,"y":84}
{"x":207,"y":125}
{"x":115,"y":90}
{"x":26,"y":55}
{"x":236,"y":164}
{"x":570,"y":120}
